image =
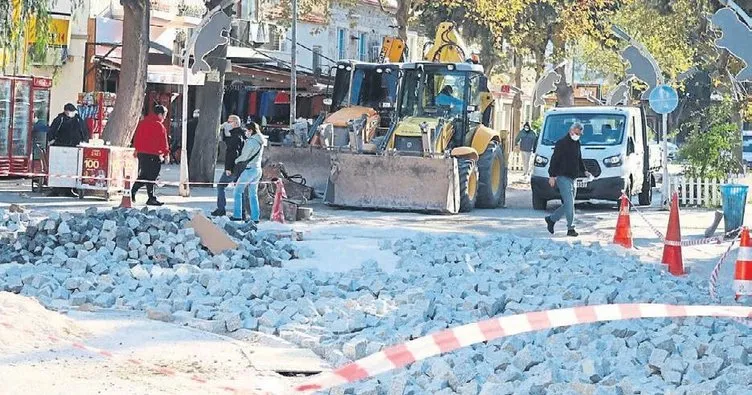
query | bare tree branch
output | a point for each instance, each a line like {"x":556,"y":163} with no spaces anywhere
{"x":383,"y":8}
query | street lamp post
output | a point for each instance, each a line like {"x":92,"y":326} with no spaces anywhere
{"x":293,"y":66}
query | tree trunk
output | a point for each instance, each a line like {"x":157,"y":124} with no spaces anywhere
{"x":209,"y":100}
{"x":540,"y":64}
{"x":517,"y":101}
{"x":132,"y":81}
{"x":564,"y":91}
{"x":403,"y":16}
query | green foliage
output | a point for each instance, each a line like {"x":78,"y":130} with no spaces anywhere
{"x":712,"y":137}
{"x":537,"y":125}
{"x":668,"y":32}
{"x":20,"y":18}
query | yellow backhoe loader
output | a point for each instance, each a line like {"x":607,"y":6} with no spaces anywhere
{"x":441,"y":156}
{"x":362,"y":92}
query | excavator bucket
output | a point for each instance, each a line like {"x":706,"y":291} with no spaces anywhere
{"x":400,"y":183}
{"x":311,"y":163}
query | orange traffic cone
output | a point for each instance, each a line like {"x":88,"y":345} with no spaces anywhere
{"x":623,"y":235}
{"x":278,"y":213}
{"x":672,"y":253}
{"x":743,"y":272}
{"x":126,"y":201}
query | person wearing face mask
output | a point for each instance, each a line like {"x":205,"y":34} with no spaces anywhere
{"x":152,"y":148}
{"x":566,"y":166}
{"x":526,"y":140}
{"x":249,"y":163}
{"x":68,"y":129}
{"x":234,"y":136}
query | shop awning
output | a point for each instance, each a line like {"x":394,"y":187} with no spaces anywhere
{"x":162,"y":74}
{"x":171,"y":75}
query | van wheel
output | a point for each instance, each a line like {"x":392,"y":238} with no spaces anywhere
{"x":468,"y":184}
{"x":646,"y":195}
{"x":539,"y":204}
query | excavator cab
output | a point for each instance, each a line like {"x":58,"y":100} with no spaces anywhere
{"x":362,"y":90}
{"x":441,"y":100}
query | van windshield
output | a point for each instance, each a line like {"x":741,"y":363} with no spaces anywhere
{"x":597,"y":129}
{"x":747,"y":146}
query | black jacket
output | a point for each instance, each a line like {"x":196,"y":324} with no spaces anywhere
{"x":68,"y":132}
{"x":567,"y":159}
{"x":234,"y":145}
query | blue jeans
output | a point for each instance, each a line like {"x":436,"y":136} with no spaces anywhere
{"x":221,"y":185}
{"x":568,"y":190}
{"x":250,"y":178}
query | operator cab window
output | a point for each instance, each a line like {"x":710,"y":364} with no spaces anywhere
{"x":474,"y":113}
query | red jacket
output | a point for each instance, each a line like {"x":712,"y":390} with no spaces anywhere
{"x":151,"y":137}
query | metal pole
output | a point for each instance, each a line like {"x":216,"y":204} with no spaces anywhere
{"x":184,"y":190}
{"x":666,"y":181}
{"x":293,"y":65}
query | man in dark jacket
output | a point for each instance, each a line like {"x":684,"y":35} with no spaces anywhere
{"x":526,"y":140}
{"x":152,"y":148}
{"x":566,"y":166}
{"x":68,"y":129}
{"x":234,"y":136}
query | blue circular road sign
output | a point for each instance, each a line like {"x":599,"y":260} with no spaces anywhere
{"x":663,"y":99}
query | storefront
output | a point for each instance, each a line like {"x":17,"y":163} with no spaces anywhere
{"x":21,"y":98}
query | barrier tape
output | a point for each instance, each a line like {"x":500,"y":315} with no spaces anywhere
{"x":685,"y":243}
{"x":154,"y":368}
{"x":452,"y":339}
{"x":158,"y":183}
{"x":713,"y":280}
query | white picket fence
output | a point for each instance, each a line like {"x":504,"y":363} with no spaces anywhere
{"x":515,"y":161}
{"x":695,"y":192}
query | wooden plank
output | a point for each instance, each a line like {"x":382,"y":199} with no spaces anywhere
{"x":706,"y":194}
{"x":212,"y":237}
{"x":691,"y":190}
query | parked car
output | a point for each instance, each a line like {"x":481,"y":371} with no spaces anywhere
{"x":673,"y":150}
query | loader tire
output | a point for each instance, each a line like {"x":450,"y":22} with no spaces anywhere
{"x":468,"y":171}
{"x":491,"y":177}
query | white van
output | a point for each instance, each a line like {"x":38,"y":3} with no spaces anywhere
{"x":747,"y":144}
{"x":614,"y":149}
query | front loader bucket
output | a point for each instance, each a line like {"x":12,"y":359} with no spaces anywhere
{"x":401,"y":183}
{"x":311,"y":163}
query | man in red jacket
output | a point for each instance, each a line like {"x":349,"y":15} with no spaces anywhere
{"x":152,"y":148}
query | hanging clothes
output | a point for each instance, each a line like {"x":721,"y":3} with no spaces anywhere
{"x":253,"y":104}
{"x":242,"y":108}
{"x":282,"y":98}
{"x":267,"y":104}
{"x":317,"y":105}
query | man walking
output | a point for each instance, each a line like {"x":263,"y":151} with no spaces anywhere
{"x":526,"y":140}
{"x":234,"y":136}
{"x":152,"y":148}
{"x":566,"y":166}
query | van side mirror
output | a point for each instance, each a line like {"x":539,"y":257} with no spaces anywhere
{"x":630,"y":146}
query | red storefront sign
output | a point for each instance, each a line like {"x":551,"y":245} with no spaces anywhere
{"x":95,"y":165}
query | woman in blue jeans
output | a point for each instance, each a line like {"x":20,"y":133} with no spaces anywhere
{"x":253,"y":150}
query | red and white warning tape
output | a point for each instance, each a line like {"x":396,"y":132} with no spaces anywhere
{"x":685,"y":243}
{"x":156,"y":369}
{"x":712,"y":282}
{"x":454,"y":338}
{"x":158,"y":183}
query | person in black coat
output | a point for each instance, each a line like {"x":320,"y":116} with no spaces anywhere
{"x":68,"y":129}
{"x":565,"y":167}
{"x":234,"y":136}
